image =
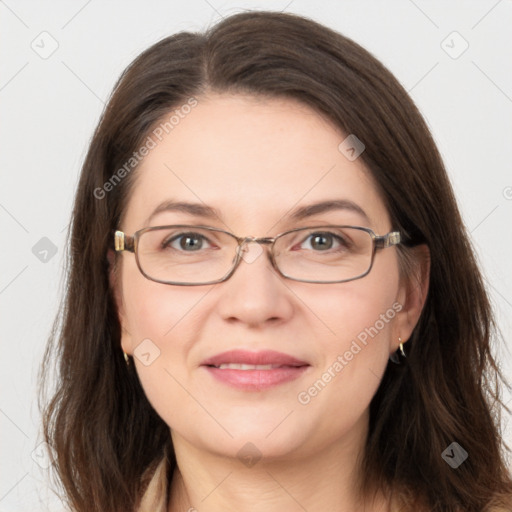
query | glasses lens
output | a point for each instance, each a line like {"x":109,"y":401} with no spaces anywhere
{"x":324,"y":254}
{"x":186,"y":254}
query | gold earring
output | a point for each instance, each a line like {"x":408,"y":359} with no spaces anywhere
{"x":402,"y":353}
{"x":399,"y":356}
{"x":126,"y":358}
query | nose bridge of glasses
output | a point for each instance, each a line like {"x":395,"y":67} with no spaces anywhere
{"x":253,"y":239}
{"x":243,"y":247}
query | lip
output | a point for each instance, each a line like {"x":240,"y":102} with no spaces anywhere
{"x":284,"y":368}
{"x":248,"y":357}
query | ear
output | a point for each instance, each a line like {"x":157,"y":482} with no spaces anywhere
{"x":114,"y":276}
{"x":412,"y":293}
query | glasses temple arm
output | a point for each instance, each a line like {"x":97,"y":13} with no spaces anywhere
{"x":393,"y":238}
{"x":123,"y":242}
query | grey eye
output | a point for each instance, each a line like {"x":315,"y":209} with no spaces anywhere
{"x":188,"y":242}
{"x":322,"y":241}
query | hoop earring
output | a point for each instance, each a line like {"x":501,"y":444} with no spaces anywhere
{"x":126,"y":358}
{"x":399,"y":356}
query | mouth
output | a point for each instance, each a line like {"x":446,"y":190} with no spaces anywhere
{"x":254,"y":371}
{"x":238,"y":366}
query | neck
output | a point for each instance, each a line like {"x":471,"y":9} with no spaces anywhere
{"x":325,"y":480}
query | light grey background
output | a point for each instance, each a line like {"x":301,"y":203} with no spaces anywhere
{"x":50,"y":106}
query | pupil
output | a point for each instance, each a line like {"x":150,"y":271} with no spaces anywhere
{"x":321,"y":242}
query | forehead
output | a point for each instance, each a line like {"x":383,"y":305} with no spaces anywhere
{"x":252,"y":159}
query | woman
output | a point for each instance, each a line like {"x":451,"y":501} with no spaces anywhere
{"x":265,"y":228}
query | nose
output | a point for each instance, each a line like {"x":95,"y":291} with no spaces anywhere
{"x":255,"y":294}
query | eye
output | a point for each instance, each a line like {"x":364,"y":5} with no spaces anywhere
{"x":188,"y":242}
{"x":323,"y":241}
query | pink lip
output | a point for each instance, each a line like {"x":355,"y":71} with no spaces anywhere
{"x":289,"y":369}
{"x":246,"y":357}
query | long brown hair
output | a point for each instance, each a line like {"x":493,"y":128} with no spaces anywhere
{"x":104,"y":432}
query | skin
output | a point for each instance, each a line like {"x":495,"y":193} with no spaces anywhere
{"x":239,"y":155}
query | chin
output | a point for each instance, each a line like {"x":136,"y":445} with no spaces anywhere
{"x":254,"y":439}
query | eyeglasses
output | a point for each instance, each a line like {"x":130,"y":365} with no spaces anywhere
{"x":197,"y":255}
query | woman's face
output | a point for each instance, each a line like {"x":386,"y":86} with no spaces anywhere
{"x":256,"y":162}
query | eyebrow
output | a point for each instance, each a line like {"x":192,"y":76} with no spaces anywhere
{"x":194,"y":209}
{"x":203,"y":210}
{"x":327,"y":206}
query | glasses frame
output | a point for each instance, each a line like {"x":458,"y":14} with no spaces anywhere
{"x":124,"y":242}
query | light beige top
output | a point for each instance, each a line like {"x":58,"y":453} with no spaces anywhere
{"x":156,"y":494}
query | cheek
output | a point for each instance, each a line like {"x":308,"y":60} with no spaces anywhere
{"x":154,"y":310}
{"x":163,"y":321}
{"x":361,"y":310}
{"x":354,"y":350}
